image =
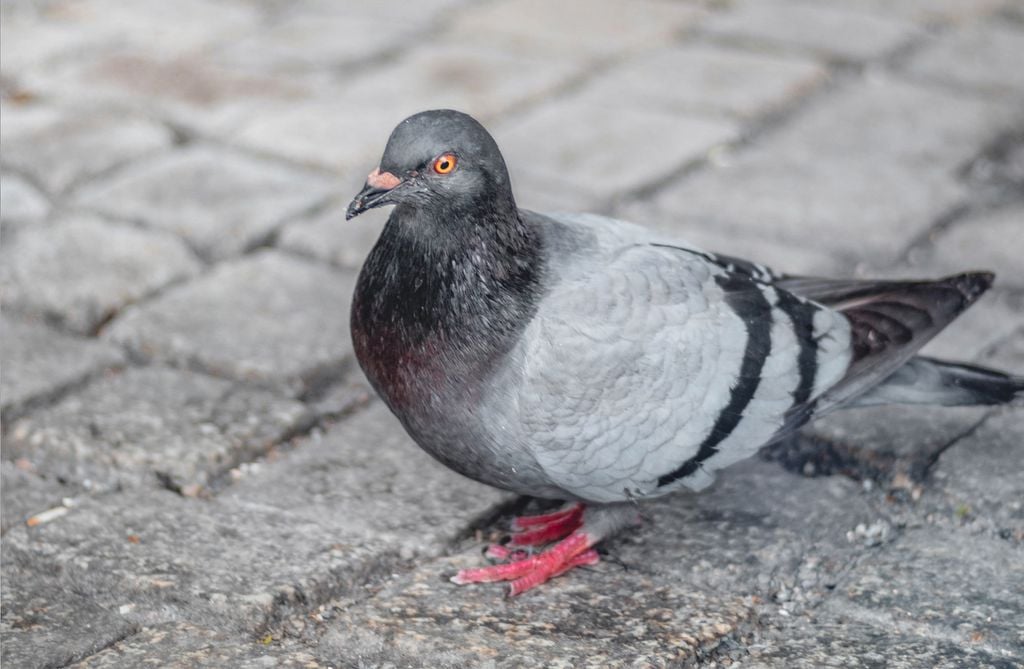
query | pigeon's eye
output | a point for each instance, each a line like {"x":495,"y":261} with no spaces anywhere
{"x":445,"y":164}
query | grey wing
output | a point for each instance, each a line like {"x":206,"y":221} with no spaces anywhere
{"x":655,"y":366}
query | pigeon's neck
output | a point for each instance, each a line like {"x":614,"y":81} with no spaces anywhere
{"x":442,"y":296}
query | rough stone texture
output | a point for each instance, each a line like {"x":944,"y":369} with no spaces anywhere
{"x":706,"y":78}
{"x":384,"y":486}
{"x":604,"y":151}
{"x":81,"y":270}
{"x":574,"y":27}
{"x":39,"y":363}
{"x":221,"y":201}
{"x":346,"y":128}
{"x":20,"y":200}
{"x":986,"y":57}
{"x":153,"y":426}
{"x":193,"y":646}
{"x":992,"y":240}
{"x":822,"y":137}
{"x":831,"y":30}
{"x":270,"y":318}
{"x":668,"y":593}
{"x":62,"y":147}
{"x":861,"y":171}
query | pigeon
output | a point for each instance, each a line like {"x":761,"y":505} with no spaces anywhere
{"x":584,"y":359}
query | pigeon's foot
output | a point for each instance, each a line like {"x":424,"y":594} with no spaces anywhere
{"x":579,"y":530}
{"x":528,"y":572}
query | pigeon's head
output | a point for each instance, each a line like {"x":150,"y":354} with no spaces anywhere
{"x":439,"y":158}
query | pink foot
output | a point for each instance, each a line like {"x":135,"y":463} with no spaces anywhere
{"x":573,"y":551}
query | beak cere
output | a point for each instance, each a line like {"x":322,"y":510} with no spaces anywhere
{"x":374,"y":193}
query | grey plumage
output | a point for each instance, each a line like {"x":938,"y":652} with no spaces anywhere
{"x":581,"y":357}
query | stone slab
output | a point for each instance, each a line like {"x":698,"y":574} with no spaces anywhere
{"x":983,"y":56}
{"x":19,"y":200}
{"x":227,"y":567}
{"x":692,"y":578}
{"x":989,"y":239}
{"x":832,"y":31}
{"x":346,"y":128}
{"x":153,"y":427}
{"x":39,"y":363}
{"x":328,"y":237}
{"x":706,"y":79}
{"x":367,"y":478}
{"x":269,"y":318}
{"x":25,"y":493}
{"x":603,"y":151}
{"x":221,"y":201}
{"x":575,"y":27}
{"x":81,"y":270}
{"x":62,"y":147}
{"x":862,"y":172}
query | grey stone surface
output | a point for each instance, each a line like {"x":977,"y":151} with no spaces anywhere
{"x":575,"y":28}
{"x":226,"y":567}
{"x":992,"y":240}
{"x":707,"y":78}
{"x":327,"y":236}
{"x":60,"y":147}
{"x":368,"y":479}
{"x":20,"y":200}
{"x":25,"y":493}
{"x":150,"y":427}
{"x":980,"y":56}
{"x":221,"y":201}
{"x":269,"y":318}
{"x":346,"y":128}
{"x":860,"y":172}
{"x":832,"y":30}
{"x":81,"y":270}
{"x":670,"y":592}
{"x":194,"y":647}
{"x":39,"y":363}
{"x":601,"y":150}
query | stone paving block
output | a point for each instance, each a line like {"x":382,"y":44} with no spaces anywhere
{"x":862,"y":172}
{"x":154,"y":557}
{"x":983,"y":56}
{"x":61,"y":147}
{"x":20,"y":201}
{"x":346,"y":127}
{"x":270,"y":318}
{"x":974,"y":601}
{"x":25,"y":493}
{"x":601,"y":150}
{"x":39,"y":363}
{"x":930,"y":11}
{"x":692,"y":576}
{"x":978,"y":485}
{"x":706,"y":78}
{"x":830,"y":30}
{"x":221,"y":201}
{"x":848,"y":645}
{"x":992,"y":239}
{"x":81,"y":270}
{"x":193,"y":647}
{"x":575,"y":27}
{"x":327,"y":236}
{"x":44,"y":623}
{"x":153,"y":426}
{"x":367,"y":478}
{"x":37,"y":35}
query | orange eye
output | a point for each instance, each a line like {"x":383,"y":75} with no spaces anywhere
{"x":445,"y":163}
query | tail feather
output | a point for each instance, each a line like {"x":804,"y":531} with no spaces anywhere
{"x":928,"y":381}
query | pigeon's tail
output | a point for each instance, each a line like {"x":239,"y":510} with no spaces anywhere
{"x":928,"y":381}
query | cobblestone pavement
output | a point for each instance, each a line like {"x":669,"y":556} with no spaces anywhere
{"x":194,"y":473}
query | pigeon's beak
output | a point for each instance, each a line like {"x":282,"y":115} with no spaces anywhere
{"x":374,"y":194}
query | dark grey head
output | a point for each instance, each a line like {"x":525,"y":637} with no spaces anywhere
{"x":440,"y":158}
